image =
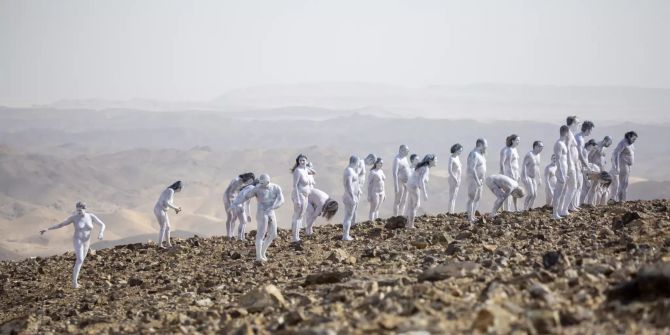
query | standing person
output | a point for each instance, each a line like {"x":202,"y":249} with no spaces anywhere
{"x":476,"y":173}
{"x":376,"y":192}
{"x":165,"y":201}
{"x":510,"y":162}
{"x":301,"y":188}
{"x":454,"y":174}
{"x":269,"y":197}
{"x":83,"y":226}
{"x":229,"y":195}
{"x":575,"y":163}
{"x":319,"y":204}
{"x":241,"y":206}
{"x":401,"y":172}
{"x":503,"y":186}
{"x":416,"y":186}
{"x":580,"y":138}
{"x":550,"y":181}
{"x":530,"y":173}
{"x":562,"y":171}
{"x":350,"y":198}
{"x":623,"y":158}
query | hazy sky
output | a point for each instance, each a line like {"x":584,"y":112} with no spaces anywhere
{"x":196,"y":50}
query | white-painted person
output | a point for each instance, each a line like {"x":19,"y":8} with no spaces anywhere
{"x":269,"y":197}
{"x":416,"y":187}
{"x":530,"y":174}
{"x":319,"y":204}
{"x":301,"y":188}
{"x":598,"y":192}
{"x":597,"y":155}
{"x":376,"y":191}
{"x":312,"y":183}
{"x":575,"y":163}
{"x":351,"y":196}
{"x":623,"y":158}
{"x":454,"y":174}
{"x":164,"y":203}
{"x":401,"y":172}
{"x":229,"y":195}
{"x":242,"y":208}
{"x":413,"y":161}
{"x":562,"y":170}
{"x":81,"y":240}
{"x":476,"y":172}
{"x":510,"y":162}
{"x":550,"y":180}
{"x":589,"y":147}
{"x":503,"y":186}
{"x":580,"y":138}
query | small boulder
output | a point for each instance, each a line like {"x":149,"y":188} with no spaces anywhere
{"x":261,"y":298}
{"x":442,"y":272}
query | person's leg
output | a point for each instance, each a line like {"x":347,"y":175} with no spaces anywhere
{"x":412,"y":205}
{"x":559,"y":195}
{"x":374,"y":205}
{"x":310,"y":217}
{"x":403,"y":198}
{"x":576,"y":202}
{"x":160,"y":217}
{"x":271,"y":234}
{"x":80,"y":250}
{"x":167,"y":230}
{"x":501,"y":198}
{"x":241,"y":230}
{"x":549,"y":194}
{"x":571,"y":186}
{"x":262,"y":224}
{"x":298,"y":214}
{"x":623,"y":183}
{"x":348,"y":216}
{"x":470,"y":205}
{"x":230,"y":217}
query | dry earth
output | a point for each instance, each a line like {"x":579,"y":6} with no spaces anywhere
{"x":603,"y":270}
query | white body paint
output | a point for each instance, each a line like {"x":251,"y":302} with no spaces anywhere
{"x":229,"y":195}
{"x":315,"y":202}
{"x":562,"y":171}
{"x":571,"y":180}
{"x":502,"y":187}
{"x":81,"y":240}
{"x":416,"y":186}
{"x":580,"y":139}
{"x":301,"y":187}
{"x":401,"y":172}
{"x":476,"y":172}
{"x":376,"y":192}
{"x":349,"y":199}
{"x":623,"y":158}
{"x":269,"y":197}
{"x":165,"y":202}
{"x":530,"y":175}
{"x":550,"y":182}
{"x":510,"y":168}
{"x":242,"y":211}
{"x":454,"y":179}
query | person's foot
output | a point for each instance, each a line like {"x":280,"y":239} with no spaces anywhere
{"x":556,"y":217}
{"x":347,"y":238}
{"x":162,"y":247}
{"x":563,"y":214}
{"x":75,"y":286}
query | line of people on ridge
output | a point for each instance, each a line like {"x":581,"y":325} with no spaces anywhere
{"x":576,"y":175}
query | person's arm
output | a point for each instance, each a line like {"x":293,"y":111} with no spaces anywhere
{"x":632,"y":155}
{"x":395,"y":175}
{"x":506,"y":162}
{"x":369,"y":182}
{"x":615,"y":157}
{"x":452,"y":171}
{"x":472,"y":166}
{"x":58,"y":225}
{"x":424,"y":178}
{"x":349,"y":186}
{"x":102,"y":225}
{"x":169,"y":202}
{"x":279,"y":200}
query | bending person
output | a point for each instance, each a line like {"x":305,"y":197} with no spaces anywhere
{"x":416,"y":186}
{"x":376,"y":192}
{"x":165,"y":202}
{"x":476,"y":173}
{"x":229,"y":195}
{"x":83,"y":225}
{"x":530,"y":174}
{"x":454,"y":174}
{"x":503,"y":186}
{"x":242,"y":208}
{"x":319,"y":204}
{"x":269,"y":197}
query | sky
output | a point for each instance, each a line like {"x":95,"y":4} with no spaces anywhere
{"x":197,"y":50}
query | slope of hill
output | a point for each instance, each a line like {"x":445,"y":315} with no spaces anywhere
{"x":602,"y":270}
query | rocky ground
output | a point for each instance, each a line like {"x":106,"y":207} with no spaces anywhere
{"x":603,"y":270}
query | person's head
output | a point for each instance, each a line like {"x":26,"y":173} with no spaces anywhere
{"x":370,"y":159}
{"x":428,"y":160}
{"x":300,"y":161}
{"x":254,"y":182}
{"x":537,"y":147}
{"x":264,"y":180}
{"x":518,"y":192}
{"x":353,"y":161}
{"x":481,"y":144}
{"x":553,"y":158}
{"x":513,"y":140}
{"x":456,"y":149}
{"x":587,"y":127}
{"x":80,"y":207}
{"x":605,"y":178}
{"x":378,"y":164}
{"x":572,"y":121}
{"x":564,"y":131}
{"x":631,"y":136}
{"x":607,"y":141}
{"x":176,"y":186}
{"x":403,"y":150}
{"x":329,"y":209}
{"x":247,"y":177}
{"x":590,"y":144}
{"x":414,"y":159}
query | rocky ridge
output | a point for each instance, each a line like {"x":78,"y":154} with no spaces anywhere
{"x":603,"y":270}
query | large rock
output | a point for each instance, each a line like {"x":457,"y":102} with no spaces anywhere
{"x":396,"y":222}
{"x":338,"y":255}
{"x":442,"y":272}
{"x":493,"y":318}
{"x":327,"y":277}
{"x":259,"y":299}
{"x":651,"y":282}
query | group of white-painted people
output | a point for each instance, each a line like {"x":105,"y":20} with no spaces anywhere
{"x":576,"y":175}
